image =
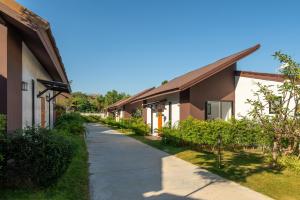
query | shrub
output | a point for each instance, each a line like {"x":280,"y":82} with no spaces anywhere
{"x":137,"y":125}
{"x":37,"y":157}
{"x":291,"y":162}
{"x":204,"y":134}
{"x":2,"y":124}
{"x":2,"y":142}
{"x":247,"y":133}
{"x":91,"y":118}
{"x":71,"y":123}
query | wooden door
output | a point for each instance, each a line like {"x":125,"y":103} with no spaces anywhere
{"x":159,"y":126}
{"x":43,"y":112}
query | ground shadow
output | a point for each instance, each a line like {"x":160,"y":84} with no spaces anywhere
{"x":238,"y":166}
{"x":112,"y":175}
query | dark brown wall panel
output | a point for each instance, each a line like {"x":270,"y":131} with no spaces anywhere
{"x":130,"y":108}
{"x":221,"y":86}
{"x":144,"y":114}
{"x":184,"y":104}
{"x":3,"y":69}
{"x":14,"y":80}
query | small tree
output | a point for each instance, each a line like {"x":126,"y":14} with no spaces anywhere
{"x":138,"y":113}
{"x":164,"y":82}
{"x":283,"y":102}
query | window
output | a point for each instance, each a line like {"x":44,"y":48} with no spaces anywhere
{"x":208,"y":109}
{"x":218,"y":110}
{"x":275,"y":105}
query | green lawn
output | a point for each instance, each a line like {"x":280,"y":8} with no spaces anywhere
{"x":248,"y":169}
{"x":73,"y":185}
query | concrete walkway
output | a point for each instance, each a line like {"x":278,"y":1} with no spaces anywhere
{"x":122,"y":168}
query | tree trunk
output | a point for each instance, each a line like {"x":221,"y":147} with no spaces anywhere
{"x":296,"y":147}
{"x":275,"y":153}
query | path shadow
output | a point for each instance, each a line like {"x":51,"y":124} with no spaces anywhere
{"x":238,"y":166}
{"x":112,"y":174}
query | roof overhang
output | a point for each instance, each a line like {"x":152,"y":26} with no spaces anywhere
{"x":158,"y":95}
{"x":36,"y":33}
{"x":129,"y":100}
{"x":56,"y":86}
{"x":194,"y":77}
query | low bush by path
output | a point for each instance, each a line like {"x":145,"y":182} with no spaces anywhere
{"x":67,"y":157}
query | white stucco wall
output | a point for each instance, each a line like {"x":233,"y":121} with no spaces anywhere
{"x":245,"y":88}
{"x":149,"y":116}
{"x":33,"y":70}
{"x":174,"y":99}
{"x":122,"y":114}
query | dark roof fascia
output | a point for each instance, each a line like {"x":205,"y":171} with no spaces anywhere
{"x":217,"y":70}
{"x":158,"y":94}
{"x":260,"y":75}
{"x":56,"y":86}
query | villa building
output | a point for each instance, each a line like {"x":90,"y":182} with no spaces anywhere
{"x":215,"y":91}
{"x":32,"y":73}
{"x":125,"y":108}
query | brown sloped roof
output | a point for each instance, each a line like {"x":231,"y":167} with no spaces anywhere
{"x":38,"y":33}
{"x":129,"y":99}
{"x":191,"y":78}
{"x":116,"y":104}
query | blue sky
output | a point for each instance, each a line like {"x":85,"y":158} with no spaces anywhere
{"x":130,"y":45}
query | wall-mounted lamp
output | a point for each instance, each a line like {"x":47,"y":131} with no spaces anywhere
{"x":48,"y":97}
{"x":24,"y":86}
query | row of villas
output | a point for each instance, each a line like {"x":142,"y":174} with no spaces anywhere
{"x":32,"y":73}
{"x":215,"y":91}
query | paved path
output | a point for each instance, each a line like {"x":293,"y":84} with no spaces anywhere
{"x":122,"y":168}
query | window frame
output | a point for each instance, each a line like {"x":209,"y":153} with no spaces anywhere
{"x":220,"y":103}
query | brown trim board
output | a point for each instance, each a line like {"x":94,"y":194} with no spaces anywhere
{"x":262,"y":76}
{"x":3,"y":69}
{"x":14,"y":80}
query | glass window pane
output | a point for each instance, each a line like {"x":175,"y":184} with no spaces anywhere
{"x":226,"y":110}
{"x":214,"y":107}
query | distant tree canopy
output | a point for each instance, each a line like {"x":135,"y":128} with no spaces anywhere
{"x":82,"y":102}
{"x":164,"y":82}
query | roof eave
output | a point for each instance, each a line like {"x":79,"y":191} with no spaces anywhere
{"x":157,"y":95}
{"x":40,"y":27}
{"x":221,"y":68}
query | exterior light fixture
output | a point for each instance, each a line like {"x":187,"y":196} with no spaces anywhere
{"x":24,"y":86}
{"x":48,"y":97}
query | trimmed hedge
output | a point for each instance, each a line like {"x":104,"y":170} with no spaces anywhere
{"x":91,"y":118}
{"x":137,"y":125}
{"x":204,"y":134}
